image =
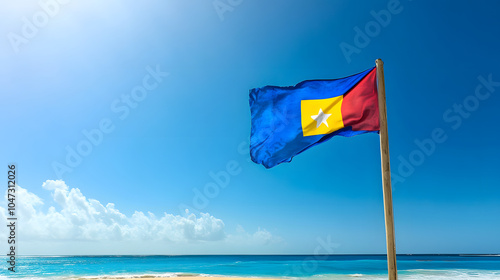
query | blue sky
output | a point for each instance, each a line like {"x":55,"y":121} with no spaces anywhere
{"x":75,"y":70}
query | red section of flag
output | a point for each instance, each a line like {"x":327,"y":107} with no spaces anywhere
{"x":360,"y":105}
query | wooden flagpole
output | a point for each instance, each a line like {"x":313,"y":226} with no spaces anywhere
{"x":386,"y":174}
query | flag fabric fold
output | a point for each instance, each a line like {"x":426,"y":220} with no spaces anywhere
{"x":289,"y":120}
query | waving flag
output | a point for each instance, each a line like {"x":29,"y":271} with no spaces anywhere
{"x":288,"y":120}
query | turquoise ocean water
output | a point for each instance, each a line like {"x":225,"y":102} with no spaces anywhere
{"x":312,"y":267}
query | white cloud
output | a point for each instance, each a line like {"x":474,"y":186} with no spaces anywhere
{"x":260,"y":237}
{"x":75,"y":224}
{"x":80,"y":218}
{"x":74,"y":217}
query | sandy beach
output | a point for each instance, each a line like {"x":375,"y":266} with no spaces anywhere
{"x":193,"y":278}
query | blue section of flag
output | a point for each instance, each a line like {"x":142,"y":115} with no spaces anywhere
{"x":276,"y":134}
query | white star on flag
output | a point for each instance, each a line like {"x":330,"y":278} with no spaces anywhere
{"x":321,"y":118}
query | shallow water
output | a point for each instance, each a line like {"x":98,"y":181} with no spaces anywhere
{"x":311,"y":267}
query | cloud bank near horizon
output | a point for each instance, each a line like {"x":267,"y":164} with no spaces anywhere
{"x":72,"y":217}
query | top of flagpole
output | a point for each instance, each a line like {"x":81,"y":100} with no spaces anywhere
{"x":378,"y":62}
